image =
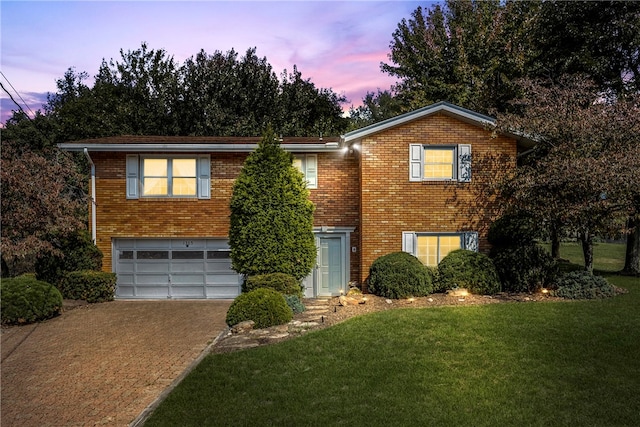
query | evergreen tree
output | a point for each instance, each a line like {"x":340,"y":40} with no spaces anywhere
{"x":271,"y":215}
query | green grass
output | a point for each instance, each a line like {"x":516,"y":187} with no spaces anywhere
{"x":520,"y":364}
{"x":607,"y":257}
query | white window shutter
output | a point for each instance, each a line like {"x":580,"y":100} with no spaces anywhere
{"x":311,"y":170}
{"x":471,"y":241}
{"x":416,"y":162}
{"x":204,"y":177}
{"x":408,"y":242}
{"x":133,"y":177}
{"x":464,"y":162}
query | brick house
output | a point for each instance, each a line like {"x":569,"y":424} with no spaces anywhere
{"x":418,"y":182}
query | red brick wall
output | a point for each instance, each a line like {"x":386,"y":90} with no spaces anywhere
{"x":390,"y":204}
{"x":336,"y":201}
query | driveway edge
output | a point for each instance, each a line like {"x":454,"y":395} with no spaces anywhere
{"x":148,"y":411}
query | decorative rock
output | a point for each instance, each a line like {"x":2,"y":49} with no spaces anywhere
{"x":458,"y":292}
{"x":388,"y":301}
{"x":345,"y":301}
{"x":245,"y":326}
{"x":430,"y":299}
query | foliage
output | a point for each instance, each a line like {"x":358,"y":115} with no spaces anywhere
{"x":283,"y":283}
{"x":375,"y":107}
{"x":295,"y":304}
{"x":90,"y":285}
{"x":399,"y":275}
{"x":74,"y":252}
{"x":27,"y":300}
{"x":40,"y":199}
{"x":583,"y":285}
{"x":514,"y":229}
{"x":471,"y":270}
{"x":271,"y":215}
{"x":526,"y":268}
{"x":264,"y":306}
{"x":583,"y":172}
{"x":465,"y":52}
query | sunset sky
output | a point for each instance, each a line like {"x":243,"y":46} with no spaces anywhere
{"x":336,"y":44}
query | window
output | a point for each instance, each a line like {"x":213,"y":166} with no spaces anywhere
{"x":308,"y":165}
{"x":431,"y":248}
{"x":440,"y":162}
{"x":155,"y":176}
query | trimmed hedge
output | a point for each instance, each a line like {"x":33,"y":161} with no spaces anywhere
{"x":264,"y":306}
{"x":471,"y":270}
{"x":89,"y":285}
{"x":583,"y":285}
{"x":399,"y":275}
{"x":281,"y":282}
{"x":513,"y":229}
{"x":527,"y":268}
{"x":26,"y":300}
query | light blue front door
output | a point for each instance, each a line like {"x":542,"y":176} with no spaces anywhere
{"x":330,"y":274}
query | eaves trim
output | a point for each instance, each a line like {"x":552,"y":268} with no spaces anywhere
{"x":195,"y":148}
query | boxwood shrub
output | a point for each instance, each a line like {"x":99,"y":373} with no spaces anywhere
{"x":89,"y":285}
{"x":525,"y":268}
{"x":582,"y":284}
{"x":399,"y":275}
{"x":471,"y":270}
{"x":280,"y":282}
{"x":264,"y":306}
{"x":26,"y":300}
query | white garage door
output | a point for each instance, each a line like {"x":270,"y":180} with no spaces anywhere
{"x":174,"y":268}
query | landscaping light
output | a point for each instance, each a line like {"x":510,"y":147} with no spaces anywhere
{"x":411,"y":300}
{"x":545,"y":290}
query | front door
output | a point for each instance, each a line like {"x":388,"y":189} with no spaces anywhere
{"x":330,"y":268}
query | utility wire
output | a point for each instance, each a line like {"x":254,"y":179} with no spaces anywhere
{"x":14,"y":101}
{"x":18,"y":93}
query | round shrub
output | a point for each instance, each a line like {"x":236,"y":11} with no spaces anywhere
{"x":26,"y":300}
{"x":399,"y":275}
{"x":280,"y":282}
{"x":264,"y":306}
{"x":583,"y":285}
{"x":527,"y":268}
{"x":471,"y":270}
{"x":89,"y":285}
{"x":295,"y":304}
{"x":77,"y":252}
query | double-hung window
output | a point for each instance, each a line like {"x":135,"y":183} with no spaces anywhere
{"x":431,"y":248}
{"x":308,"y":165}
{"x":440,"y":162}
{"x":163,"y":176}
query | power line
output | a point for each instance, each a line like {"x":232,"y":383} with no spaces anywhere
{"x":14,"y":101}
{"x":17,"y":93}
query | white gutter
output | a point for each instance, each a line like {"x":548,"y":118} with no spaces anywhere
{"x":93,"y":196}
{"x":196,"y":148}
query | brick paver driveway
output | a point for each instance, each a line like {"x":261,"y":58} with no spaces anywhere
{"x":103,"y":363}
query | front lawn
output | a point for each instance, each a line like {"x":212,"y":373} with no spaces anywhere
{"x":533,"y":364}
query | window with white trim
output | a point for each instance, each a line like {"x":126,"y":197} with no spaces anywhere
{"x":431,"y":248}
{"x":308,"y":165}
{"x":440,"y":162}
{"x":168,"y":176}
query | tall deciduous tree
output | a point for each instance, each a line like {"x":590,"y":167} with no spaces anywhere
{"x":583,"y":173}
{"x":271,"y":215}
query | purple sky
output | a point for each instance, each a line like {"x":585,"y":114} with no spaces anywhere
{"x":336,"y":44}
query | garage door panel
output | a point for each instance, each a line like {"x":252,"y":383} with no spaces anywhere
{"x":174,"y":268}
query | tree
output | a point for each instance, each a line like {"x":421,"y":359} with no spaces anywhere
{"x":271,"y":215}
{"x":375,"y":108}
{"x":39,"y":200}
{"x":466,"y":52}
{"x":582,"y":175}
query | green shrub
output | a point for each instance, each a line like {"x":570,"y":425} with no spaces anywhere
{"x":513,"y":230}
{"x":27,"y":300}
{"x":435,"y":278}
{"x":399,"y":275}
{"x":264,"y":306}
{"x":77,"y":253}
{"x":283,"y":283}
{"x":295,"y":304}
{"x":471,"y":270}
{"x":525,"y":268}
{"x":89,"y":285}
{"x":583,"y":285}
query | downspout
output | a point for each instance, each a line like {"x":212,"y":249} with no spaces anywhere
{"x":93,"y":196}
